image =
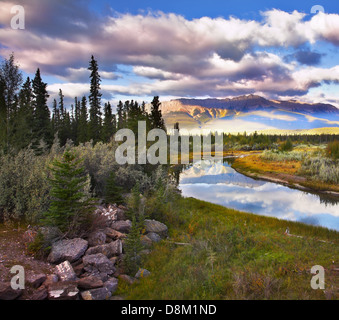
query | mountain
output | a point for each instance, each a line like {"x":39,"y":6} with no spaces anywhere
{"x":248,"y":113}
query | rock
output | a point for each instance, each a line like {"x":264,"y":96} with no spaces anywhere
{"x":79,"y":269}
{"x":65,"y":271}
{"x":96,"y":238}
{"x":36,"y":280}
{"x":120,"y":214}
{"x":111,"y":233}
{"x":98,"y":263}
{"x":90,"y":282}
{"x":51,"y":278}
{"x":122,"y":226}
{"x":63,"y":291}
{"x":70,"y":250}
{"x":154,"y":236}
{"x":156,"y":227}
{"x":146,"y":241}
{"x":7,"y":293}
{"x":40,"y":294}
{"x":109,"y":250}
{"x":111,"y":285}
{"x":96,"y":294}
{"x":127,"y":278}
{"x":142,"y":273}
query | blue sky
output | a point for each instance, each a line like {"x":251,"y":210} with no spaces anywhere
{"x":277,"y":49}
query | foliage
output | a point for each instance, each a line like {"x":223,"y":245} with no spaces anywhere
{"x":333,"y":149}
{"x":286,"y":146}
{"x":113,"y":193}
{"x":70,"y":208}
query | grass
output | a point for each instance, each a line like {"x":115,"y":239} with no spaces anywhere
{"x":288,"y":167}
{"x":234,"y":255}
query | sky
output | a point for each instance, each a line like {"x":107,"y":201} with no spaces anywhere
{"x":277,"y":49}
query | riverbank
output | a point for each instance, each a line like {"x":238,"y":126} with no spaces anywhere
{"x":283,"y":172}
{"x":219,"y":253}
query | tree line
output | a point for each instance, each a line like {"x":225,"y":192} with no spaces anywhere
{"x":26,"y":119}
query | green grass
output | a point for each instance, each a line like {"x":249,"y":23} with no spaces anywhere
{"x":233,"y":255}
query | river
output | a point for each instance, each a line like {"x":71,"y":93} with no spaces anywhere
{"x":219,"y":183}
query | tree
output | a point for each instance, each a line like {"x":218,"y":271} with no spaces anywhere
{"x":94,"y":102}
{"x":83,"y":122}
{"x":113,"y":193}
{"x":108,"y":128}
{"x":156,"y":118}
{"x":70,"y":208}
{"x":11,"y":79}
{"x":42,"y":124}
{"x":120,"y":118}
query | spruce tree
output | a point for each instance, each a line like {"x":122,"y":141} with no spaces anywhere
{"x":70,"y":211}
{"x":113,"y":193}
{"x":94,"y":102}
{"x":108,"y":128}
{"x":83,"y":122}
{"x":156,"y":118}
{"x":42,"y":129}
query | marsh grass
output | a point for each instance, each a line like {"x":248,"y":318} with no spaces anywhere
{"x":233,"y":255}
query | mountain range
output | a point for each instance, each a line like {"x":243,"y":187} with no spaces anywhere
{"x":248,"y":113}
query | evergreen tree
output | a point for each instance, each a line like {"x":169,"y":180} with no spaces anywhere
{"x":94,"y":102}
{"x":83,"y":122}
{"x":120,"y":118}
{"x":156,"y":118}
{"x":107,"y":129}
{"x":113,"y":193}
{"x":3,"y":117}
{"x":42,"y":124}
{"x":70,"y":210}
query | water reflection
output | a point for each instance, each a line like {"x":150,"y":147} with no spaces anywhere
{"x":220,"y":184}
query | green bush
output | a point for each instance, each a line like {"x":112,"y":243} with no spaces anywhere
{"x":286,"y":146}
{"x":333,"y":149}
{"x":71,"y":208}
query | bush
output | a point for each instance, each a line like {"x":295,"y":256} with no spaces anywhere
{"x":333,"y":149}
{"x":70,"y":208}
{"x":286,"y":146}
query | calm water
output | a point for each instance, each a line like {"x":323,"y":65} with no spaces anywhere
{"x":220,"y":184}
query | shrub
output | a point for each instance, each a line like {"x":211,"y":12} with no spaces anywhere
{"x":286,"y":146}
{"x":333,"y":149}
{"x":70,"y":208}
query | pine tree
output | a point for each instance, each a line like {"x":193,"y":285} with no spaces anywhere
{"x":156,"y":118}
{"x":3,"y":117}
{"x":42,"y":124}
{"x":120,"y":119}
{"x":113,"y":193}
{"x":94,"y":102}
{"x":70,"y":210}
{"x":108,"y":128}
{"x":83,"y":122}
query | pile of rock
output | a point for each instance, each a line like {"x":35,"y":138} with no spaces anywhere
{"x":88,"y":268}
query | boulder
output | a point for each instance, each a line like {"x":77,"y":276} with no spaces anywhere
{"x":153,"y":236}
{"x":7,"y":293}
{"x":51,"y":278}
{"x":109,"y":250}
{"x":90,"y":282}
{"x":96,"y":294}
{"x":127,"y":278}
{"x":79,"y":269}
{"x":111,"y":285}
{"x":122,"y":226}
{"x":146,"y":241}
{"x":40,"y":294}
{"x":63,"y":291}
{"x":96,"y":238}
{"x":65,"y":271}
{"x":156,"y":227}
{"x":36,"y":280}
{"x":114,"y":234}
{"x":98,"y":263}
{"x":142,"y":273}
{"x":70,"y":250}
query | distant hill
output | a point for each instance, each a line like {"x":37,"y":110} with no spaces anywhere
{"x":248,"y":113}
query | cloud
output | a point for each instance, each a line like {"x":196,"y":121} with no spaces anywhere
{"x":204,"y":56}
